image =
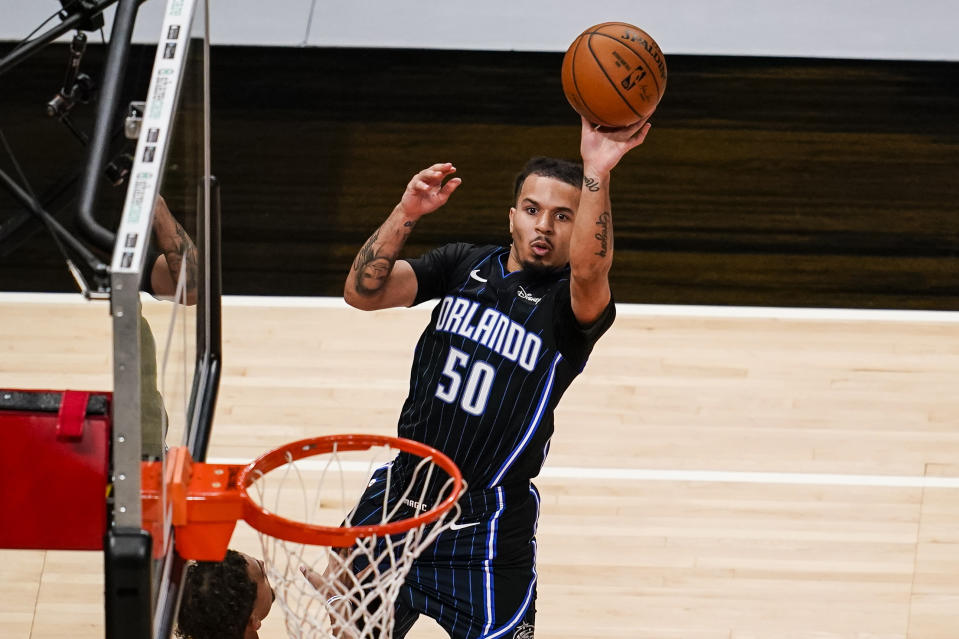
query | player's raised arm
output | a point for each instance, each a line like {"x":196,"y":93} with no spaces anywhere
{"x":176,"y":248}
{"x":377,"y":280}
{"x":591,"y":244}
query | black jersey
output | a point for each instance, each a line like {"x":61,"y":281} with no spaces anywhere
{"x":499,"y":352}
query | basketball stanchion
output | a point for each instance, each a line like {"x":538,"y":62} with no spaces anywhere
{"x":336,"y":572}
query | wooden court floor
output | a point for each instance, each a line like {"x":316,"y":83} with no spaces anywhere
{"x":758,"y":475}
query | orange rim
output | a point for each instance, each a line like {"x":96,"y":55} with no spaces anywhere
{"x":290,"y":530}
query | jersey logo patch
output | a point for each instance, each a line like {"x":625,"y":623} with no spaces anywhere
{"x":522,"y":294}
{"x":475,"y":275}
{"x":524,"y":631}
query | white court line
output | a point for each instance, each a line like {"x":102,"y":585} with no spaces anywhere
{"x":701,"y":476}
{"x":625,"y":310}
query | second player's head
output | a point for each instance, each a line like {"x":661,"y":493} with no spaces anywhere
{"x":545,"y":199}
{"x":224,"y":599}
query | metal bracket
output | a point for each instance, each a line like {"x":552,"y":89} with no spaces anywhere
{"x":134,"y":120}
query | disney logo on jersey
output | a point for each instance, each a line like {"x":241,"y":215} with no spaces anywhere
{"x":523,"y":295}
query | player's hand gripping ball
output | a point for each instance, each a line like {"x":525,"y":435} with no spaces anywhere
{"x":614,"y":74}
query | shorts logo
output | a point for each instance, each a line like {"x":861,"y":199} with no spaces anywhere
{"x":524,"y":631}
{"x":416,"y":505}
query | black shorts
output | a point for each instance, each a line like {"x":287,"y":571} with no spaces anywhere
{"x":478,"y":578}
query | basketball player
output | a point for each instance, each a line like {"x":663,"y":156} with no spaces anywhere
{"x":226,"y":599}
{"x":513,"y":327}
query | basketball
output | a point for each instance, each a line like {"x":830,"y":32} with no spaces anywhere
{"x":614,"y":74}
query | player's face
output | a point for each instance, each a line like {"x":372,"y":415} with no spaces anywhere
{"x":541,"y":224}
{"x":264,"y":595}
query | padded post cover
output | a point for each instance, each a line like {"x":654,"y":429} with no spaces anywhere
{"x":54,"y":464}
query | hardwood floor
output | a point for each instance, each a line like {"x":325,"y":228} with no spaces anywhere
{"x":715,"y":473}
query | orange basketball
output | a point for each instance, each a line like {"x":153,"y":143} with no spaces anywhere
{"x":614,"y":74}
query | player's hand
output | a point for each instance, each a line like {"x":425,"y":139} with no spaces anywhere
{"x":315,"y":579}
{"x":603,"y":148}
{"x":426,"y":192}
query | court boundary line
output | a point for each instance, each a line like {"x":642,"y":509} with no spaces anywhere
{"x":623,"y":310}
{"x":691,"y":476}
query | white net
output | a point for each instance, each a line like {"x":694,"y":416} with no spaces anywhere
{"x":348,"y":592}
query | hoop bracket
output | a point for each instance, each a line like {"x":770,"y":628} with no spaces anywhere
{"x":202,"y":500}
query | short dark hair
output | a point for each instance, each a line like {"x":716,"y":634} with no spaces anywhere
{"x":217,"y":600}
{"x":559,"y":169}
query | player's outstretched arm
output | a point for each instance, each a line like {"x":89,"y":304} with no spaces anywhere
{"x":377,"y":279}
{"x":176,"y":250}
{"x":591,"y":245}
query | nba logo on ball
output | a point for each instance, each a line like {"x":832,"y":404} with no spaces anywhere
{"x":614,"y":74}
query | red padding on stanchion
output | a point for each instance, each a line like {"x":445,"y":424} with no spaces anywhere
{"x":54,"y":494}
{"x":73,"y":411}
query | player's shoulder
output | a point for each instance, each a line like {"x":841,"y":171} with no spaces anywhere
{"x":466,"y":252}
{"x":460,"y":257}
{"x":448,"y":266}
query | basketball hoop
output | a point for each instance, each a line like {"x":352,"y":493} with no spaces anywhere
{"x":336,"y":567}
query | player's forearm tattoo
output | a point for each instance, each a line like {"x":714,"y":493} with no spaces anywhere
{"x":366,"y":252}
{"x":372,"y":269}
{"x":182,"y":248}
{"x":591,"y":183}
{"x":603,"y":236}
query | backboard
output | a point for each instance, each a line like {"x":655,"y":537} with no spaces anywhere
{"x":166,"y":345}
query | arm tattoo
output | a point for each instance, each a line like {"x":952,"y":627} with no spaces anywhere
{"x":366,"y":252}
{"x":591,"y":183}
{"x":603,"y":236}
{"x":372,"y":270}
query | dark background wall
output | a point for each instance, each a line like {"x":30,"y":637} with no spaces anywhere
{"x":765,"y":181}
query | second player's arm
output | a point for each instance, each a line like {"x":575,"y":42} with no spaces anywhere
{"x":176,"y":250}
